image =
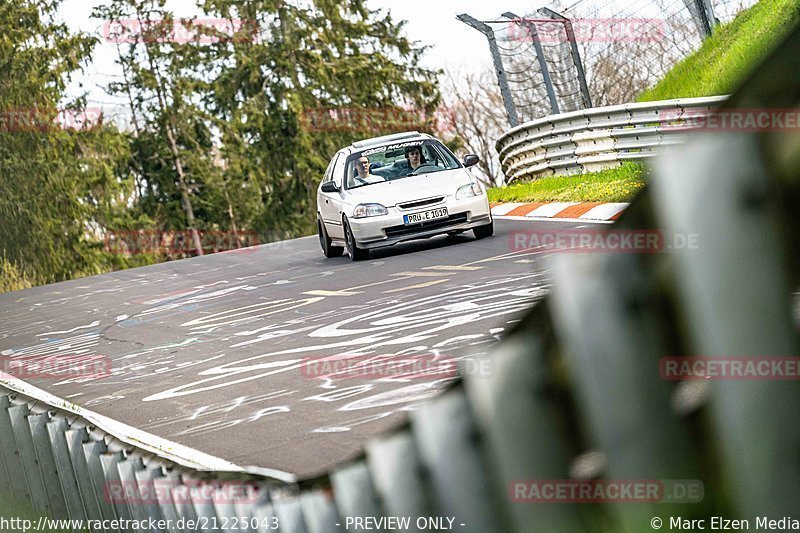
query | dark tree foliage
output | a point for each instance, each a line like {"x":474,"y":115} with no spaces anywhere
{"x":224,"y":130}
{"x":62,"y":175}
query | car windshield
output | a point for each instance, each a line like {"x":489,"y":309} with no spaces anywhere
{"x":397,"y":161}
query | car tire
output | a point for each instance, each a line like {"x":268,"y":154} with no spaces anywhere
{"x":325,"y":242}
{"x":355,"y":253}
{"x":481,"y":232}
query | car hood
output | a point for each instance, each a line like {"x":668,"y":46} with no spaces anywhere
{"x":412,"y":188}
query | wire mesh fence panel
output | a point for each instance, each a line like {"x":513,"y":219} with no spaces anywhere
{"x":617,"y":49}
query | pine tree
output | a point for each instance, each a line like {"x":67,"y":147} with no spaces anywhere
{"x":304,"y":56}
{"x":57,"y":183}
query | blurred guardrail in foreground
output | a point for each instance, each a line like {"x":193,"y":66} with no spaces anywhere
{"x":599,"y":138}
{"x":575,"y":392}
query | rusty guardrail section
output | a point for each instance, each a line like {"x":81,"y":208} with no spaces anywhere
{"x":600,"y":137}
{"x":575,"y":393}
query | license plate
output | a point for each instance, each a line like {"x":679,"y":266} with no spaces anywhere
{"x":424,"y":216}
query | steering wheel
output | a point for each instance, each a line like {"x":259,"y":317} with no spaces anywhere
{"x":419,"y":168}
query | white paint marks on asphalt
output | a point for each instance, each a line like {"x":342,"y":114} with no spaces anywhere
{"x":331,"y":293}
{"x":420,"y":274}
{"x":93,"y":324}
{"x":418,"y":286}
{"x":454,"y":268}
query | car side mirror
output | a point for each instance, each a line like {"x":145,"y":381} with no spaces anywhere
{"x":329,"y":186}
{"x":470,"y":160}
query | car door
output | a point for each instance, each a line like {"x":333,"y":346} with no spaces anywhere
{"x":337,"y":200}
{"x":329,"y":203}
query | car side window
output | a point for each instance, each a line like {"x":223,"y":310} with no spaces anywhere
{"x":329,"y":171}
{"x":338,"y":170}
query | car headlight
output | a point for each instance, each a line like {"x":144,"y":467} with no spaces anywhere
{"x":369,"y":210}
{"x":467,"y":191}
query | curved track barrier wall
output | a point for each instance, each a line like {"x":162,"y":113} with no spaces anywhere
{"x":599,"y":138}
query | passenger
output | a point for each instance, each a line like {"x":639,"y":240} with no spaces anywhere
{"x":362,"y":168}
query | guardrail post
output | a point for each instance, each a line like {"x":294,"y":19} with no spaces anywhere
{"x":162,"y":486}
{"x":502,"y":80}
{"x":319,"y":511}
{"x":10,"y":451}
{"x":517,"y":388}
{"x":264,"y":514}
{"x":537,"y":46}
{"x":200,"y":491}
{"x":100,"y":484}
{"x":75,"y":439}
{"x":47,"y":464}
{"x":290,"y":514}
{"x":57,"y":428}
{"x":605,"y":309}
{"x":126,"y":469}
{"x":182,"y":499}
{"x":398,"y":476}
{"x":113,"y":483}
{"x":223,"y":504}
{"x":576,"y":55}
{"x":33,"y":474}
{"x":450,"y":449}
{"x":735,"y":290}
{"x":354,"y":491}
{"x":151,"y":500}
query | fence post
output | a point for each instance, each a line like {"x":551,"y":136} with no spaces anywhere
{"x":702,"y":14}
{"x":576,"y":55}
{"x":537,"y":46}
{"x":502,"y":80}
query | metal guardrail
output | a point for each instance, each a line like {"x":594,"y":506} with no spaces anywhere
{"x":573,"y":393}
{"x":598,"y":138}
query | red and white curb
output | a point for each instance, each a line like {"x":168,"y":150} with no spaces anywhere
{"x":586,"y":211}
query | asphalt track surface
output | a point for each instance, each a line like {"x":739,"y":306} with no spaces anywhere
{"x":217,"y":352}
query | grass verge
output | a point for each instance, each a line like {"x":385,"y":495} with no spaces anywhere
{"x":13,"y":278}
{"x":613,"y":185}
{"x":729,"y":55}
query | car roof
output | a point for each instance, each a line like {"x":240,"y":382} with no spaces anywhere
{"x":377,"y":141}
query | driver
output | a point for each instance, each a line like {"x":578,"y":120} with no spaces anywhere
{"x":362,"y":167}
{"x":415,"y":157}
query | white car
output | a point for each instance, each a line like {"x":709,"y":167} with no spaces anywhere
{"x":396,"y":188}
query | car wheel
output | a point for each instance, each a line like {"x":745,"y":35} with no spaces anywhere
{"x":325,"y":241}
{"x":355,"y":253}
{"x":484,"y":231}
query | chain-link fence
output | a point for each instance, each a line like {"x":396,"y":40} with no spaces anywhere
{"x":593,"y":54}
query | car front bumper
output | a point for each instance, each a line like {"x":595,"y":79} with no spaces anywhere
{"x":387,"y":230}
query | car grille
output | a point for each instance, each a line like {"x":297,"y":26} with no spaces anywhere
{"x":396,"y":231}
{"x":420,"y":203}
